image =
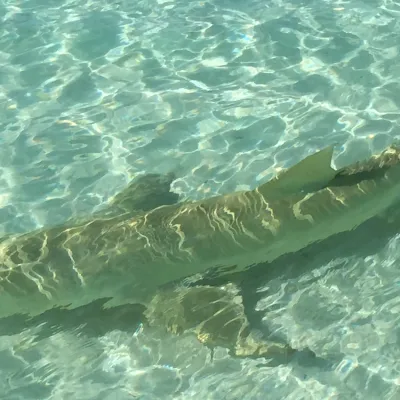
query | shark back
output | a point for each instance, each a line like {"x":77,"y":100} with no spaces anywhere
{"x":127,"y":257}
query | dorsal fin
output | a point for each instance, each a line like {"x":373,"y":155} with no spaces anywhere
{"x":373,"y":168}
{"x":310,"y":174}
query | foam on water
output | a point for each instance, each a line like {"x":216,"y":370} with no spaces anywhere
{"x":224,"y":94}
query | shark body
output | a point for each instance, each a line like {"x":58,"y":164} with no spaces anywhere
{"x":127,"y":257}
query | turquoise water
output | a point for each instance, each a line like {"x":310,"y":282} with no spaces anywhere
{"x":224,"y":94}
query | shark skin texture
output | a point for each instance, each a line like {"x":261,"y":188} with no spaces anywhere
{"x":145,"y":247}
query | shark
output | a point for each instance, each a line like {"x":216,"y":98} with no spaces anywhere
{"x":147,"y":248}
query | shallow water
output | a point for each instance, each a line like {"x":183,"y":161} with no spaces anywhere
{"x":223,"y":93}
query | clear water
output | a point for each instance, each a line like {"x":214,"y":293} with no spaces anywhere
{"x":224,"y":93}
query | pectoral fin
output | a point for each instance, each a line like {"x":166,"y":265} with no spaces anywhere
{"x":143,"y":194}
{"x":217,"y":317}
{"x":312,"y":173}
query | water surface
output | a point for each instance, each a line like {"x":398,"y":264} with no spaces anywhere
{"x":224,"y":94}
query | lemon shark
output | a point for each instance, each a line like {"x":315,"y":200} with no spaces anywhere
{"x":148,"y":249}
